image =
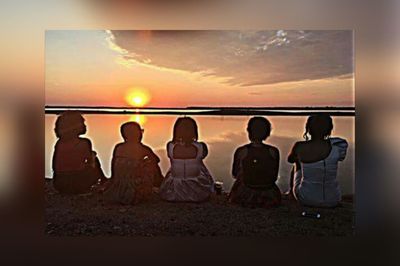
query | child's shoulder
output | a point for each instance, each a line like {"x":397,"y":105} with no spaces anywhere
{"x":119,"y":145}
{"x":338,"y":141}
{"x":170,"y":143}
{"x":145,"y":147}
{"x":273,"y":151}
{"x":241,"y":149}
{"x":85,"y":140}
{"x":272,"y":148}
{"x":201,"y":143}
{"x":299,"y":144}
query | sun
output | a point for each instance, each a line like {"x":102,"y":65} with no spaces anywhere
{"x":137,"y":100}
{"x":138,"y":97}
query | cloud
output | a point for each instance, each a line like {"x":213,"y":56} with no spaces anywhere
{"x":242,"y":58}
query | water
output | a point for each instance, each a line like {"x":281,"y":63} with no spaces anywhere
{"x":222,"y":134}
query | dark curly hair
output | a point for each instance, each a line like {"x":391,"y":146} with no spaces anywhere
{"x":318,"y":126}
{"x":185,"y":130}
{"x":70,"y":123}
{"x":259,"y":128}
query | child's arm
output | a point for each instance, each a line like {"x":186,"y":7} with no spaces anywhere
{"x":53,"y":161}
{"x":293,"y":156}
{"x":114,"y":155}
{"x":89,"y":154}
{"x":205,"y":150}
{"x":169,"y":144}
{"x":276,"y":156}
{"x":152,"y":156}
{"x":342,"y":145}
{"x":236,"y":164}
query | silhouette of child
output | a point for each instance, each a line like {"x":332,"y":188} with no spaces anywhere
{"x":313,"y":180}
{"x":188,"y":179}
{"x":134,"y":168}
{"x":255,"y":168}
{"x":75,"y":165}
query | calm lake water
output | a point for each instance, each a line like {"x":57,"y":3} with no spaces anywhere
{"x":222,"y":134}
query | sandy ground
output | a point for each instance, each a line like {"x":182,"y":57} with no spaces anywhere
{"x":87,"y":215}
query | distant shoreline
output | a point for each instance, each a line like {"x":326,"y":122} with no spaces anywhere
{"x":210,"y":111}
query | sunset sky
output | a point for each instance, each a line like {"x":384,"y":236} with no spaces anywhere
{"x":199,"y":68}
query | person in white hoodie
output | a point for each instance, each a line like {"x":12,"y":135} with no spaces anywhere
{"x":314,"y":180}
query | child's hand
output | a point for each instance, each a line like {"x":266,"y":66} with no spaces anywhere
{"x":147,"y":160}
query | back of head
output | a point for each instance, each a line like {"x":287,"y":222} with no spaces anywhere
{"x":132,"y":132}
{"x":319,"y":126}
{"x":185,"y":130}
{"x":70,"y":123}
{"x":259,"y":128}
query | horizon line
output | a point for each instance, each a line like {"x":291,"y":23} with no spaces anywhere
{"x":326,"y":107}
{"x":211,"y":111}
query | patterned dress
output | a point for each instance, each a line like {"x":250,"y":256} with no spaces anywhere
{"x":188,"y":180}
{"x":132,"y":181}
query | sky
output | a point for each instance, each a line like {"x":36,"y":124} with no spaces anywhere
{"x":199,"y":68}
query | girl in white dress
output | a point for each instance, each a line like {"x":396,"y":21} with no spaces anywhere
{"x":314,"y":181}
{"x":188,"y":179}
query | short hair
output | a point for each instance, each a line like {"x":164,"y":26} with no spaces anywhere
{"x":318,"y":125}
{"x":185,"y":130}
{"x":259,"y":128}
{"x":131,"y":131}
{"x":70,"y":123}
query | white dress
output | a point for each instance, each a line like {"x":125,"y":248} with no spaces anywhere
{"x":316,"y":183}
{"x":188,"y":180}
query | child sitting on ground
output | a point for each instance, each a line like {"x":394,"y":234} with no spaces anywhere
{"x":134,"y":168}
{"x":314,"y":179}
{"x":255,"y":168}
{"x":188,"y":179}
{"x":75,"y":165}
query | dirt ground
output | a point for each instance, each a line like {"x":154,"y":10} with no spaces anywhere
{"x":88,"y":215}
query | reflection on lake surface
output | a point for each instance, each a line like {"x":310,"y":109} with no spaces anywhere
{"x":222,"y":135}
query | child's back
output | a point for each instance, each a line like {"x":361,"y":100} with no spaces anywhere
{"x":255,"y":168}
{"x":134,"y":168}
{"x":75,"y":165}
{"x":259,"y":163}
{"x":314,"y":181}
{"x":188,"y":179}
{"x":134,"y":151}
{"x":71,"y":155}
{"x":315,"y":178}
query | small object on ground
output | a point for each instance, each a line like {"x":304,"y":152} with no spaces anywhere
{"x":218,"y":187}
{"x":315,"y":215}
